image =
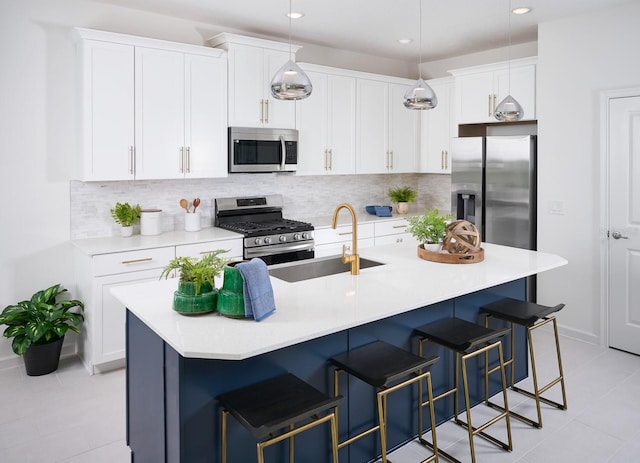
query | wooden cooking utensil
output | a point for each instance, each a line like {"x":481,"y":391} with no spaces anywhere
{"x":196,"y":203}
{"x":184,"y":204}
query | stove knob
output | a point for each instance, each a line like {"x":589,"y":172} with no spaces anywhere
{"x":296,"y":236}
{"x":282,"y":238}
{"x":267,"y":240}
{"x":306,"y":235}
{"x":258,"y":241}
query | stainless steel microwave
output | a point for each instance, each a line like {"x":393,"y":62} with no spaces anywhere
{"x":262,"y":150}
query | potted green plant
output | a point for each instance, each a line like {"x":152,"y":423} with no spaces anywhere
{"x":402,"y":196}
{"x":38,"y":326}
{"x":196,"y":287}
{"x":126,"y":215}
{"x":430,"y":228}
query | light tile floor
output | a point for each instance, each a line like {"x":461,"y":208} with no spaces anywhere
{"x":70,"y":417}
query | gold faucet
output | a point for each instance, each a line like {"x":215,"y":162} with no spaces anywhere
{"x":352,"y":258}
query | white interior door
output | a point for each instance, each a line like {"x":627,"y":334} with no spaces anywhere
{"x":624,"y":224}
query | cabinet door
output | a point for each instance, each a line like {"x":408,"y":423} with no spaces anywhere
{"x":341,"y":108}
{"x":523,"y":88}
{"x":403,"y":132}
{"x":159,"y":113}
{"x":436,"y":132}
{"x":280,"y":114}
{"x":246,"y":86}
{"x":109,"y":313}
{"x":205,"y":117}
{"x":108,"y":111}
{"x":372,"y":116}
{"x":311,"y":117}
{"x":474,"y":93}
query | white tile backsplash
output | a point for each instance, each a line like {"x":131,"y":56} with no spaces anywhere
{"x":304,"y":196}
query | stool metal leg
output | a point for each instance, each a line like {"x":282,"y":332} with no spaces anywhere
{"x":224,"y":436}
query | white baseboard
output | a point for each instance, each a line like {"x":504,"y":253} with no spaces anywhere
{"x":16,"y":360}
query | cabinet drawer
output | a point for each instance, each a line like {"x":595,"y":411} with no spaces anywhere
{"x":399,"y":238}
{"x":335,"y":249}
{"x":391,"y":227}
{"x":342,"y":233}
{"x":199,"y":249}
{"x":132,"y":261}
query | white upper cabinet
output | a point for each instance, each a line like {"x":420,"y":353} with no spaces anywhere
{"x":326,"y":125}
{"x":480,"y":89}
{"x":107,"y":125}
{"x":386,"y":131}
{"x":437,"y":128}
{"x":151,"y":109}
{"x":252,"y":64}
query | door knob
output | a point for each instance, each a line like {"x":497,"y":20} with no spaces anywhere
{"x":617,"y":235}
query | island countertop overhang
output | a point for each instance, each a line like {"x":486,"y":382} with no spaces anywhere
{"x":321,"y":306}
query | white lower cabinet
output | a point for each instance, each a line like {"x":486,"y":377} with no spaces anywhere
{"x":393,"y":232}
{"x":233,"y":247}
{"x":102,"y":344}
{"x":329,"y":241}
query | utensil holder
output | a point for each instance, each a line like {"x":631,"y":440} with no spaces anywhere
{"x":192,"y":221}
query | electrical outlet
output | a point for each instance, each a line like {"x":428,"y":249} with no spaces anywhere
{"x":556,"y":207}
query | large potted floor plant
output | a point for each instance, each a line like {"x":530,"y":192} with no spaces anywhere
{"x":38,"y":326}
{"x":196,"y":292}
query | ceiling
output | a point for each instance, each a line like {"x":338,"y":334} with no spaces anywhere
{"x":450,"y":27}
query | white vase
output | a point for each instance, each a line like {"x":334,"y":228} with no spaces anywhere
{"x":433,"y":247}
{"x":126,"y":231}
{"x":402,"y":207}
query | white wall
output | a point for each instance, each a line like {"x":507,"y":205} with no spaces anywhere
{"x":577,"y":59}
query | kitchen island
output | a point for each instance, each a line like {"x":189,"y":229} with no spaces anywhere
{"x":177,"y":365}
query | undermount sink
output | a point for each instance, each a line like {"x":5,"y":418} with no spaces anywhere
{"x":316,"y":268}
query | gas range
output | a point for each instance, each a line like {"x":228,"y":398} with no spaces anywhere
{"x":267,"y":234}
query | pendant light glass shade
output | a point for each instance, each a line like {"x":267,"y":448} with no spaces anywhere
{"x":509,"y":110}
{"x":290,"y":83}
{"x":420,"y":96}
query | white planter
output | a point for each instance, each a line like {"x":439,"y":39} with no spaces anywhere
{"x":433,"y":247}
{"x":126,"y":231}
{"x":192,"y":221}
{"x":402,"y":207}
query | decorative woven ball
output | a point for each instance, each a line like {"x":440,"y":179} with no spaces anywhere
{"x":462,"y":238}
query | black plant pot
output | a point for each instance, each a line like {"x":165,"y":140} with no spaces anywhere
{"x":42,"y":359}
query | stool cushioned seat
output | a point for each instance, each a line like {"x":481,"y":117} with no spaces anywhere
{"x":521,"y":312}
{"x":380,"y":363}
{"x":459,"y":335}
{"x":273,"y":404}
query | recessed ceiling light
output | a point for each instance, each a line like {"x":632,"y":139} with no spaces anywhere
{"x":295,"y":15}
{"x":521,"y":10}
{"x":405,"y":41}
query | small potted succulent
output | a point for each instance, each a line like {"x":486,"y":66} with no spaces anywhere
{"x":430,"y":228}
{"x":38,"y":326}
{"x":126,"y":215}
{"x":196,"y":289}
{"x":402,"y":196}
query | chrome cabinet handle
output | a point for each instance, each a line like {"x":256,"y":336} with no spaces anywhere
{"x":132,"y":160}
{"x":135,"y":261}
{"x":266,"y":111}
{"x":391,"y":159}
{"x":617,"y":235}
{"x":489,"y":106}
{"x":261,"y":110}
{"x":442,"y":159}
{"x":182,"y":159}
{"x":446,"y":159}
{"x":325,"y":159}
{"x":188,"y":159}
{"x":400,"y":226}
{"x":345,"y":233}
{"x":330,"y":158}
{"x":494,"y":105}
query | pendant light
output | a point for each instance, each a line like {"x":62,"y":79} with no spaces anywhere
{"x":290,"y":82}
{"x":509,"y":110}
{"x":420,"y":95}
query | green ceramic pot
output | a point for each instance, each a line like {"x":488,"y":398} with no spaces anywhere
{"x":231,"y":296}
{"x":186,"y":302}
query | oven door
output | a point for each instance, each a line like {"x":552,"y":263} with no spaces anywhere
{"x":262,"y":150}
{"x":279,"y":254}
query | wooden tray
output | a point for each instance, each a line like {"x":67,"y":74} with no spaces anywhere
{"x":448,"y":258}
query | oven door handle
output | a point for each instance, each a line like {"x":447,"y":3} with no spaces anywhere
{"x":277,"y":249}
{"x":284,"y":152}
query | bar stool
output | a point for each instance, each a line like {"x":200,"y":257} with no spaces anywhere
{"x":531,"y":316}
{"x":387,"y":368}
{"x":468,"y":340}
{"x":275,"y":404}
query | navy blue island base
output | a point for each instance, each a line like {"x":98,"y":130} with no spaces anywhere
{"x":173,"y":417}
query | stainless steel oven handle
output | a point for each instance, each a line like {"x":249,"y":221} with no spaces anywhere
{"x":277,"y":249}
{"x":284,"y":151}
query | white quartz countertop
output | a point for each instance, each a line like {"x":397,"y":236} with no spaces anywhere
{"x":321,"y":306}
{"x":110,"y":244}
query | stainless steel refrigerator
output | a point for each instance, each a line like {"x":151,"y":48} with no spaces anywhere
{"x":493,"y":185}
